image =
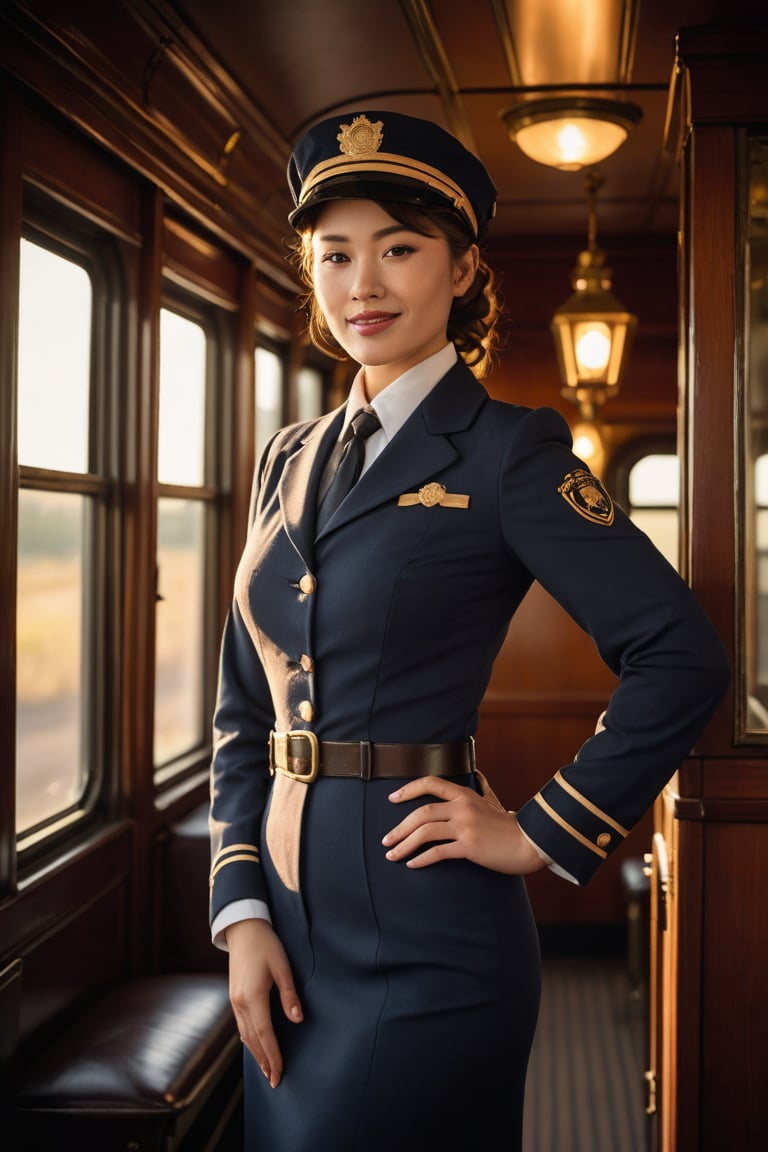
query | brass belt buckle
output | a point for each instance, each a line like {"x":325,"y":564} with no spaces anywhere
{"x":279,"y":754}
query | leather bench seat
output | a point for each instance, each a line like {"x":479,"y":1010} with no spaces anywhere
{"x":135,"y":1070}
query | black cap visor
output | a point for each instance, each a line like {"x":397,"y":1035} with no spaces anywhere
{"x":399,"y":189}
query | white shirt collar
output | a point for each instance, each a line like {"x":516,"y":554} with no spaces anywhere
{"x":395,"y":403}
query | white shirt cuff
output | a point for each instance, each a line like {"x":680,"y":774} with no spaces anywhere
{"x":237,"y":910}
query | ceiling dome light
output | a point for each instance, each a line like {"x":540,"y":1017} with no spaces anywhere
{"x":570,"y":132}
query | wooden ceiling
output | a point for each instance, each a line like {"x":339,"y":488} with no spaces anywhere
{"x":450,"y":60}
{"x":207,"y":98}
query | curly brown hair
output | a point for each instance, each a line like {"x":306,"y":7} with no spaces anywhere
{"x":473,"y":323}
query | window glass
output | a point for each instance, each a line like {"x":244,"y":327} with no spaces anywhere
{"x":654,"y":481}
{"x":752,"y":509}
{"x":757,"y":700}
{"x":309,"y":393}
{"x":50,"y":658}
{"x":269,"y":396}
{"x":182,"y":589}
{"x":179,"y":628}
{"x":654,"y":494}
{"x":56,"y":618}
{"x":181,"y":448}
{"x":54,"y":361}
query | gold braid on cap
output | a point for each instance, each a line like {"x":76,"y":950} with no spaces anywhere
{"x":359,"y":144}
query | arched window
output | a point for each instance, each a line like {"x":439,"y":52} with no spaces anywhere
{"x":653,"y":500}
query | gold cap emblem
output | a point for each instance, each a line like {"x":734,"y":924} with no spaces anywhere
{"x":361,"y":138}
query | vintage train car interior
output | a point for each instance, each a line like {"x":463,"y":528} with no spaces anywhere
{"x":151,"y":341}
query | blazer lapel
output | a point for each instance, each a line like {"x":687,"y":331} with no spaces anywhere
{"x":420,"y":450}
{"x":300,"y":481}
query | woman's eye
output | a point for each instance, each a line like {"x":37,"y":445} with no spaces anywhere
{"x":334,"y":258}
{"x":399,"y":250}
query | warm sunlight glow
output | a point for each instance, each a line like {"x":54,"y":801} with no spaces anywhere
{"x":54,"y":371}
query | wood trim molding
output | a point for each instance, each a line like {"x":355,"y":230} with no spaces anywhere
{"x":514,"y":705}
{"x":164,"y":107}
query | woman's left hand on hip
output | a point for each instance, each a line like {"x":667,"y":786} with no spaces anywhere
{"x":458,"y":824}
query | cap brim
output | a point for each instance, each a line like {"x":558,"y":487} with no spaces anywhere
{"x":400,"y":190}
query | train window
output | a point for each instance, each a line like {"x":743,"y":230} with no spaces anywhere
{"x":270,"y":383}
{"x":184,"y":569}
{"x":181,"y":447}
{"x":654,"y":496}
{"x":51,"y":773}
{"x":54,"y":371}
{"x":60,"y":633}
{"x":759,"y":698}
{"x":309,"y":398}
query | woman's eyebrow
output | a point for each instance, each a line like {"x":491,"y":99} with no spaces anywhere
{"x":381,"y":234}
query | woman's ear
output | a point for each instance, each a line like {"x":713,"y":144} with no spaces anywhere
{"x":464,"y":270}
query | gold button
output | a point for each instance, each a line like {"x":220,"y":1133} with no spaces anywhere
{"x":307,"y":663}
{"x":307,"y":584}
{"x":603,"y":839}
{"x":306,"y":711}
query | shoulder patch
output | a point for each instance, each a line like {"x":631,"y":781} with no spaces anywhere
{"x":588,"y":496}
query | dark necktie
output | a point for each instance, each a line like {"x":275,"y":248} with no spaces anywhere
{"x":362,"y":425}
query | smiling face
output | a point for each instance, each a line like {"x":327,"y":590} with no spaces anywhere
{"x":385,"y":290}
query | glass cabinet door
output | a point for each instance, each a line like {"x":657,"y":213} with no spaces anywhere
{"x":755,"y":479}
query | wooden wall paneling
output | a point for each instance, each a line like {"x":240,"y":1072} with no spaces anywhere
{"x":715,"y":821}
{"x":68,"y":165}
{"x":10,"y":231}
{"x":140,"y":541}
{"x":86,"y":898}
{"x":734,"y":1001}
{"x":276,"y":307}
{"x":194,"y":262}
{"x":710,"y":466}
{"x":182,"y":938}
{"x":135,"y":81}
{"x":238,"y":462}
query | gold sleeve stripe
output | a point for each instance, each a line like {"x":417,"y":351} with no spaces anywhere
{"x":252,"y":857}
{"x":235,"y":848}
{"x":568,"y":828}
{"x":588,"y":804}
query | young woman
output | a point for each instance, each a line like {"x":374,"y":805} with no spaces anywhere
{"x":384,"y":965}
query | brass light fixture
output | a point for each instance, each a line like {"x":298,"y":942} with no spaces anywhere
{"x":570,"y":133}
{"x":592,"y":330}
{"x":568,"y":64}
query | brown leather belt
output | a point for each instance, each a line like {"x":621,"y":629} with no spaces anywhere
{"x":301,"y":756}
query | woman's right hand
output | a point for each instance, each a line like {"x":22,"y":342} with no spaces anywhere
{"x":257,"y":961}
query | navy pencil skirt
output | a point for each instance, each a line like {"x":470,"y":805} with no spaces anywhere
{"x":420,"y":991}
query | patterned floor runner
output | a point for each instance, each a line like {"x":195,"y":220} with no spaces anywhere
{"x":585,"y":1078}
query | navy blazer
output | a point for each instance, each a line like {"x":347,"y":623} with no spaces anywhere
{"x":386,"y":626}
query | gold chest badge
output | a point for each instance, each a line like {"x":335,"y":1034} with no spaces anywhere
{"x":588,"y":496}
{"x":432,"y":494}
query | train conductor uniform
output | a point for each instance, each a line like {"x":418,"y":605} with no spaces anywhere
{"x":357,"y":656}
